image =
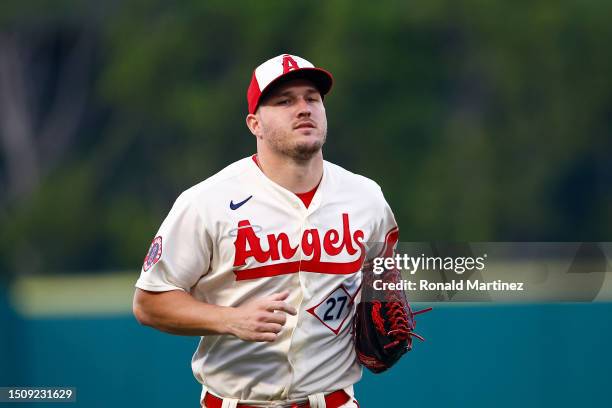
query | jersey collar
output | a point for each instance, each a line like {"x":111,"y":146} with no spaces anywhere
{"x":288,"y":196}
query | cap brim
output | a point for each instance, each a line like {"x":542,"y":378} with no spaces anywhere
{"x":322,"y":80}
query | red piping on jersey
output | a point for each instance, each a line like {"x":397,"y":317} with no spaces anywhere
{"x":391,"y":239}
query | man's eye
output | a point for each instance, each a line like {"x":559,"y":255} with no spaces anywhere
{"x":282,"y":102}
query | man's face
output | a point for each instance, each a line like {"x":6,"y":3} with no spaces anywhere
{"x":292,"y":120}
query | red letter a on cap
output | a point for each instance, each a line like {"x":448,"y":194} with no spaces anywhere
{"x":289,"y":64}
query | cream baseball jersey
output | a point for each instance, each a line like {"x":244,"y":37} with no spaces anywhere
{"x":238,"y":236}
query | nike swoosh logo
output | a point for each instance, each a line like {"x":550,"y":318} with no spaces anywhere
{"x":238,"y":205}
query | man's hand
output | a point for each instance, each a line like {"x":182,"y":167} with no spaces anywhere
{"x":261,"y":319}
{"x":177,"y":312}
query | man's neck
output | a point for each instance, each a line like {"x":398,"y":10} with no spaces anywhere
{"x":295,"y":176}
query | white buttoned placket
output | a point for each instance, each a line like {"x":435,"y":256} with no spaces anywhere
{"x":303,"y":214}
{"x":306,"y":212}
{"x":298,"y":207}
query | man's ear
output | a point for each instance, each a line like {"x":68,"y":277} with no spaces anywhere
{"x":254,"y":125}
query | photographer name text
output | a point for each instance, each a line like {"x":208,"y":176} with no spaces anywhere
{"x":453,"y":285}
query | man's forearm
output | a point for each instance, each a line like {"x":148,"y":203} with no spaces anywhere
{"x":177,"y":312}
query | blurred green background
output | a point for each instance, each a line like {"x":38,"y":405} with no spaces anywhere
{"x":481,"y":120}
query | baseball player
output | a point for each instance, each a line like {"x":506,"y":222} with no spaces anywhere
{"x":263,"y":259}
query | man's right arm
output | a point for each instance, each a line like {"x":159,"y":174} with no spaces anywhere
{"x":178,"y":312}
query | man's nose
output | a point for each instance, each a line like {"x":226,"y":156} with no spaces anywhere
{"x":304,"y":108}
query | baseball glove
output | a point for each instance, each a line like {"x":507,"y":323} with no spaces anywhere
{"x":384,"y":324}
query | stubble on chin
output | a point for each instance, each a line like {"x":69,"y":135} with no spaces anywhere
{"x":298,"y":151}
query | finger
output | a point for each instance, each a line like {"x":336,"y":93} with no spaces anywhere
{"x":280,"y":295}
{"x":281,"y":306}
{"x":265,"y":337}
{"x":278,"y":318}
{"x":270,"y":328}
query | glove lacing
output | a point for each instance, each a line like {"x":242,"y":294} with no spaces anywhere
{"x":402,"y":324}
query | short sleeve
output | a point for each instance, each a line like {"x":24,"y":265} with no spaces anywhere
{"x":180,"y":252}
{"x":385,"y":234}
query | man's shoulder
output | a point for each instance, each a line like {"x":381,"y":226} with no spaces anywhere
{"x":220,"y":182}
{"x":353,"y":181}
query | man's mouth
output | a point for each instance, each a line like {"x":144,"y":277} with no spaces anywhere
{"x":303,"y":125}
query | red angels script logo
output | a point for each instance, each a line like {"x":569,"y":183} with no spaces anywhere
{"x":333,"y":242}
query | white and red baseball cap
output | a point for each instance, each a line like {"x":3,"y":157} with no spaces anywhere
{"x":281,"y":68}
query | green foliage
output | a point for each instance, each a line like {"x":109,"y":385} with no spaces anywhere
{"x":482,"y":120}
